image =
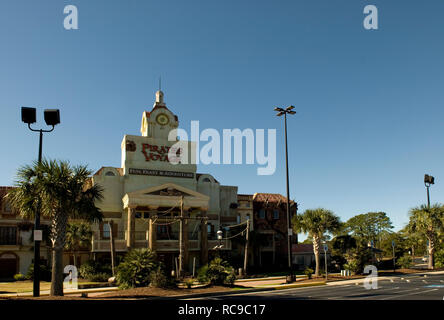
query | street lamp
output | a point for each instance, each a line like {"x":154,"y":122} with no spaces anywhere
{"x":428,"y":180}
{"x":284,"y":112}
{"x":219,"y":246}
{"x":52,"y":118}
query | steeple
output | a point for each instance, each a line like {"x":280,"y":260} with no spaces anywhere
{"x":159,"y":99}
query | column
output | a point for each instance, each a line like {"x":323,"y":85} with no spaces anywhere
{"x":131,"y":239}
{"x":203,"y":240}
{"x":152,"y":235}
{"x":185,"y":242}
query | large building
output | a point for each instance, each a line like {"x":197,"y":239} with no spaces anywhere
{"x":146,"y":195}
{"x":148,"y":200}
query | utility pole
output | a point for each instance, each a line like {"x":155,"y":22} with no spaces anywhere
{"x":181,"y":239}
{"x":394,"y":262}
{"x":246,"y":247}
{"x":112,"y":248}
{"x":325,"y":258}
{"x":52,"y":118}
{"x":289,"y":110}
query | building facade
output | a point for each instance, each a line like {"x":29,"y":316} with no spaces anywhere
{"x":271,"y":231}
{"x":149,"y":199}
{"x":16,"y":243}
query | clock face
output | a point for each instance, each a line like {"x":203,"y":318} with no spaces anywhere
{"x":162,"y":119}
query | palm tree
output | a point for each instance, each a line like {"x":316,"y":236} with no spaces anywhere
{"x":61,"y":192}
{"x":427,"y":222}
{"x":78,"y":235}
{"x":316,"y":222}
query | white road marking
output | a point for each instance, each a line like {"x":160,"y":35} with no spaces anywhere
{"x":359,"y":298}
{"x":408,"y":294}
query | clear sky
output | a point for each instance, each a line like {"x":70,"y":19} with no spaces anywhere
{"x":369,"y":103}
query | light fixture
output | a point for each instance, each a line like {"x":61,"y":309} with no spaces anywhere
{"x":29,"y":115}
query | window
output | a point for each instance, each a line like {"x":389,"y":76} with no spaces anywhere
{"x":106,"y":233}
{"x":7,"y":208}
{"x":247,"y":204}
{"x":8,"y":235}
{"x":276,"y":214}
{"x":162,"y":229}
{"x":262,"y":214}
{"x":110,"y":174}
{"x":146,"y":215}
{"x":238,"y":219}
{"x":138,"y":215}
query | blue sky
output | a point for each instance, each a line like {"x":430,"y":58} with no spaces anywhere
{"x":369,"y":103}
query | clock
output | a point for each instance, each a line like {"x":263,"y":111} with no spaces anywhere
{"x":162,"y":119}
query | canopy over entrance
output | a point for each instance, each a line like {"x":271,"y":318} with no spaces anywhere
{"x":166,"y":195}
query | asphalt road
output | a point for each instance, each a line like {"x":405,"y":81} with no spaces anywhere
{"x":412,"y":287}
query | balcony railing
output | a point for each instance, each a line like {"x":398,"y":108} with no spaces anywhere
{"x":175,"y":236}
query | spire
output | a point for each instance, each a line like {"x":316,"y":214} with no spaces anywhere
{"x":159,"y":99}
{"x":159,"y":95}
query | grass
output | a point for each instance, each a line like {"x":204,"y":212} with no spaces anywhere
{"x":27,"y":286}
{"x":21,"y":286}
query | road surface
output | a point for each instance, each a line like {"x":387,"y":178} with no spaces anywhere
{"x":412,"y":287}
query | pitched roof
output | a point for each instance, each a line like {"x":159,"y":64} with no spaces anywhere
{"x":99,"y":172}
{"x":4,"y":191}
{"x":270,"y":197}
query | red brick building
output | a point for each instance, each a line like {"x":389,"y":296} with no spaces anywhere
{"x":270,"y":228}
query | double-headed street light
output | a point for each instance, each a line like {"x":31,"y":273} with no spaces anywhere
{"x":428,"y":180}
{"x":284,"y":112}
{"x":52,"y":118}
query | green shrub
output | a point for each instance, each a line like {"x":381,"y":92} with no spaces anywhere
{"x":353,"y":266}
{"x":95,"y":271}
{"x":19,"y":277}
{"x":136,"y":268}
{"x":45,"y":272}
{"x":308,"y":272}
{"x":218,"y":272}
{"x":404,"y":262}
{"x":231,"y":278}
{"x":202,"y":274}
{"x":159,"y":279}
{"x":439,"y":258}
{"x":189,"y":282}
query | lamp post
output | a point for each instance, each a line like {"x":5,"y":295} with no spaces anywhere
{"x":219,"y":237}
{"x":325,"y":259}
{"x":52,"y":118}
{"x":428,"y":180}
{"x":284,"y":112}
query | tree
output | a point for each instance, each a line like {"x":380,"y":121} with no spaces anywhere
{"x":78,"y":235}
{"x":342,"y":247}
{"x":369,"y":226}
{"x":62,"y":192}
{"x":316,"y":223}
{"x":136,"y":267}
{"x":428,"y":222}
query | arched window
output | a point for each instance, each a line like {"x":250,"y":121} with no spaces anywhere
{"x":109,"y":174}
